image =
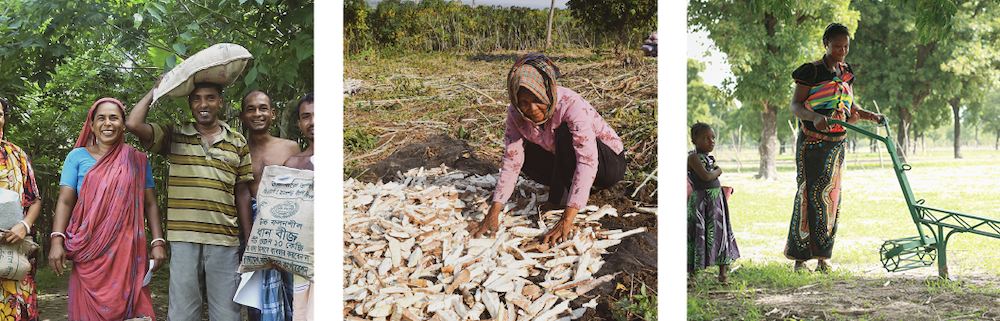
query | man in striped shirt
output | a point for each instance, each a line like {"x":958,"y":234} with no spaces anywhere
{"x":207,"y":201}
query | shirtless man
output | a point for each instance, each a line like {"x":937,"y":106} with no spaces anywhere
{"x":257,"y":115}
{"x":304,"y":159}
{"x":303,"y":288}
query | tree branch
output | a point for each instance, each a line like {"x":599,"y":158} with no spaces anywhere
{"x":144,"y":40}
{"x":195,"y":18}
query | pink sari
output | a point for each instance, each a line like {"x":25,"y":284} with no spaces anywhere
{"x":107,"y":235}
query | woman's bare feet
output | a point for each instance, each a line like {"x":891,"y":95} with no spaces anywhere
{"x":723,"y":274}
{"x":823,"y":266}
{"x":800,"y":267}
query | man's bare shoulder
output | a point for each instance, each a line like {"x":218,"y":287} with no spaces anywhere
{"x":299,"y":161}
{"x":289,"y":144}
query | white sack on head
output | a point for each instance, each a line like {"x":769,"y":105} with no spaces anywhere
{"x":220,"y":64}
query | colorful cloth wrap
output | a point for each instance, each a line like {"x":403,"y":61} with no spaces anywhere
{"x":813,"y":227}
{"x":537,"y":73}
{"x":19,"y":298}
{"x":106,"y":235}
{"x":833,"y":99}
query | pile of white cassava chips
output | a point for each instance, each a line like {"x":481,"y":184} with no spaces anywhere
{"x":408,"y":255}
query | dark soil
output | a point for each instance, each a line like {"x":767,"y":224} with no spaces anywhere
{"x":635,"y":257}
{"x":429,"y":153}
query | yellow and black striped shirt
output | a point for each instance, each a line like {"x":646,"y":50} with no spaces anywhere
{"x":200,"y":188}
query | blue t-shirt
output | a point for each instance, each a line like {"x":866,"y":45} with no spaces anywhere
{"x":78,"y":163}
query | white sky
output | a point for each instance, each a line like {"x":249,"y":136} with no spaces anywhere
{"x":716,"y":68}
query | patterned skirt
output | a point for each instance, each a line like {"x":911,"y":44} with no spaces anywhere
{"x":818,"y":165}
{"x":710,"y":238}
{"x":20,"y":299}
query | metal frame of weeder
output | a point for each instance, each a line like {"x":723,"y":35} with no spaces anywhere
{"x":921,"y":250}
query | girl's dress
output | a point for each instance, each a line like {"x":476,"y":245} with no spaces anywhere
{"x":710,"y":238}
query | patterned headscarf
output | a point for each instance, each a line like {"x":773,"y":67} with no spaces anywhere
{"x":537,"y":73}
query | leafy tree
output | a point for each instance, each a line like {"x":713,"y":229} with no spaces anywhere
{"x":989,"y":115}
{"x":64,"y":55}
{"x":764,"y":42}
{"x":971,"y":67}
{"x":898,"y":71}
{"x":705,"y":103}
{"x":616,"y":16}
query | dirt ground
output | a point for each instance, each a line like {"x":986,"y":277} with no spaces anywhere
{"x":52,"y":304}
{"x":634,"y":259}
{"x":898,"y":296}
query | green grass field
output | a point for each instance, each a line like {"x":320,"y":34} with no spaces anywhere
{"x":872,"y":207}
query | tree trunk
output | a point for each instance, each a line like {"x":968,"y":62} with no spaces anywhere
{"x":548,"y":31}
{"x":768,"y":139}
{"x":955,"y":109}
{"x":902,"y":132}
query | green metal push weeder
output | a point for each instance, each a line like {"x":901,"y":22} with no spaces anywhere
{"x":931,"y":241}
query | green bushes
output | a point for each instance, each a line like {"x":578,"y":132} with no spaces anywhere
{"x":439,"y":25}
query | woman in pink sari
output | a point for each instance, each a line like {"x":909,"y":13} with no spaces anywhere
{"x":106,"y":187}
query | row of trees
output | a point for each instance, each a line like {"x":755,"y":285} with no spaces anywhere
{"x":58,"y":57}
{"x":434,"y":25}
{"x":925,"y":62}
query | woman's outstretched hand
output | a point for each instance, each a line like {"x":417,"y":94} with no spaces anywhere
{"x":878,"y":118}
{"x":563,"y":230}
{"x":57,"y":256}
{"x":489,"y":224}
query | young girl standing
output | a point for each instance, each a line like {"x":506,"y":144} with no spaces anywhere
{"x":710,"y":235}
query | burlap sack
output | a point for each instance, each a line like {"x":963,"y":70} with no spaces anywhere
{"x":14,"y":262}
{"x":282,"y":234}
{"x":220,"y":64}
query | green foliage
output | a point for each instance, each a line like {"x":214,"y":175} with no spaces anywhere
{"x":359,"y":139}
{"x":705,"y":103}
{"x":616,"y":16}
{"x":436,"y":25}
{"x":642,"y":305}
{"x":64,"y":55}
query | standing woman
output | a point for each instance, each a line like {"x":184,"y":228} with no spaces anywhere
{"x":557,"y":139}
{"x":822,"y":91}
{"x":20,"y":300}
{"x":107,"y":185}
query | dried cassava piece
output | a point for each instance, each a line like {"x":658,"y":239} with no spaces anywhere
{"x":408,"y":254}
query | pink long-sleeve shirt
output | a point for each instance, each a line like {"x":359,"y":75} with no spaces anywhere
{"x":586,"y":126}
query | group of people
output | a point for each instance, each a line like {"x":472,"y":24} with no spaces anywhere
{"x":823,"y":91}
{"x":107,"y":203}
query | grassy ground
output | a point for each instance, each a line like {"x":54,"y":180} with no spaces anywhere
{"x":406,"y":97}
{"x":872,"y":211}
